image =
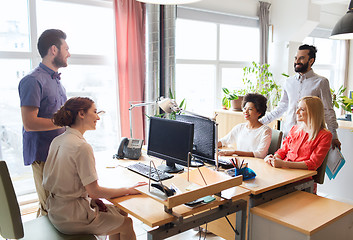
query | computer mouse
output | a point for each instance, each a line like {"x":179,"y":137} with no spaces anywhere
{"x":168,"y":191}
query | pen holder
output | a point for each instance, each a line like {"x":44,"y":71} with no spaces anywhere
{"x":245,"y":171}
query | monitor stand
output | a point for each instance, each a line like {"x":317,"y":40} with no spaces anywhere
{"x":171,"y":168}
{"x":196,"y":162}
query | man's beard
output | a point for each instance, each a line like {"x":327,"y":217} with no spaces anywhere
{"x":302,"y":68}
{"x":59,"y":61}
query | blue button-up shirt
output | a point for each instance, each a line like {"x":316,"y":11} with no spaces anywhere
{"x":42,"y":89}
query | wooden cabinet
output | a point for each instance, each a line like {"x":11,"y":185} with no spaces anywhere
{"x":227,"y":119}
{"x":301,"y":216}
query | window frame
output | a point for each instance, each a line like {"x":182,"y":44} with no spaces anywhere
{"x":218,"y":19}
{"x":34,"y":58}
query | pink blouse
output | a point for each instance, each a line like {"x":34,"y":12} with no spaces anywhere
{"x":297,"y":148}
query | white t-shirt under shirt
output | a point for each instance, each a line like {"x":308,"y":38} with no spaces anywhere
{"x":249,"y":140}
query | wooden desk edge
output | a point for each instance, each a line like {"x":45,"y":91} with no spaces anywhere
{"x":163,"y":217}
{"x":225,"y":182}
{"x":256,"y":192}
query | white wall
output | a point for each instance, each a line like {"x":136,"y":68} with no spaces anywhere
{"x":340,"y":187}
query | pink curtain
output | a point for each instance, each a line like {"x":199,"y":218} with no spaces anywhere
{"x":130,"y":37}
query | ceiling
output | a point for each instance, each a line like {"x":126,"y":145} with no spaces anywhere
{"x":345,"y":2}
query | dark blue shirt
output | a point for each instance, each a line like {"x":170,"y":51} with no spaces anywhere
{"x":42,"y":89}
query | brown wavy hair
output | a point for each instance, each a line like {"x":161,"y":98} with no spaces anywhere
{"x":67,"y":114}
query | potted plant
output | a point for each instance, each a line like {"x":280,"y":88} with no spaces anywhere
{"x":339,"y":100}
{"x":258,"y":79}
{"x":232,"y":100}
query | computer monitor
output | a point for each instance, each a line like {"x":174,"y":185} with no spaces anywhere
{"x":172,"y":141}
{"x":205,"y":137}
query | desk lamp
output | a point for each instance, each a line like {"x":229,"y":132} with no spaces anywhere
{"x":160,"y":101}
{"x":169,"y":105}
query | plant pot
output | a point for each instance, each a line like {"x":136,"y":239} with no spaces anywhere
{"x":236,"y":104}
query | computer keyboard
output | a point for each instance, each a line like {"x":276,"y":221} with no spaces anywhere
{"x":225,"y":163}
{"x":144,"y":170}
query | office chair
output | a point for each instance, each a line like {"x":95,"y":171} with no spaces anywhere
{"x":276,"y":140}
{"x":320,"y":176}
{"x":11,"y":225}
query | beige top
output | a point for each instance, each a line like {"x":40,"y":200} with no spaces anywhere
{"x":69,"y":167}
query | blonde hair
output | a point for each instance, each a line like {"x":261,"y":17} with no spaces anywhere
{"x":316,"y":117}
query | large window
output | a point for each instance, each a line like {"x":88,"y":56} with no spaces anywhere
{"x":330,"y":59}
{"x":91,"y":70}
{"x":211,"y":50}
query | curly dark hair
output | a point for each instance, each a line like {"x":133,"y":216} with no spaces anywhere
{"x":66,"y":115}
{"x":49,"y":38}
{"x":258,"y":100}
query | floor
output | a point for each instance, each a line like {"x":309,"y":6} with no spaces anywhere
{"x":141,"y":231}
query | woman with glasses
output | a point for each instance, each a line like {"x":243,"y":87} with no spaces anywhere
{"x":70,"y":177}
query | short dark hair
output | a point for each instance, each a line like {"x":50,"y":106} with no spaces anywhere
{"x":67,"y":114}
{"x":49,"y":38}
{"x":258,"y":100}
{"x":312,"y":50}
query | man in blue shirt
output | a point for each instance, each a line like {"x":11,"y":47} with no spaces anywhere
{"x":41,"y":95}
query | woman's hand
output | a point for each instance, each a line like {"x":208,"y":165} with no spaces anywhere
{"x":133,"y":191}
{"x":277,"y":163}
{"x":268,"y":158}
{"x":226,"y":153}
{"x":101,"y":205}
{"x":274,"y":161}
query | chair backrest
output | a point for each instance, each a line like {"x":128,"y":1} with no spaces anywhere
{"x":320,"y":176}
{"x":10,"y":216}
{"x":275,"y":141}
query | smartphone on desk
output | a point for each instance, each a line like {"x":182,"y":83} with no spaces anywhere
{"x":129,"y":148}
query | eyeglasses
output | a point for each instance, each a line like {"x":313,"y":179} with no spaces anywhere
{"x":100,"y":113}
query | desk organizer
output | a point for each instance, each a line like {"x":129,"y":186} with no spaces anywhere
{"x":246,"y":172}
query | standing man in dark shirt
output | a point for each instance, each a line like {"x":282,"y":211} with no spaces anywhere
{"x":41,"y":95}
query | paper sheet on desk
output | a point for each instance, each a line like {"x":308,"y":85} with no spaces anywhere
{"x":335,"y":162}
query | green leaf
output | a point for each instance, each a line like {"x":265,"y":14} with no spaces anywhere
{"x":225,"y":90}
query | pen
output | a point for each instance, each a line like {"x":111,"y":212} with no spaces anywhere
{"x":237,"y":162}
{"x":241,"y":164}
{"x":232,"y":161}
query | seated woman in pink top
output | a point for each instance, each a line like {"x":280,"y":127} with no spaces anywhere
{"x":307,"y":143}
